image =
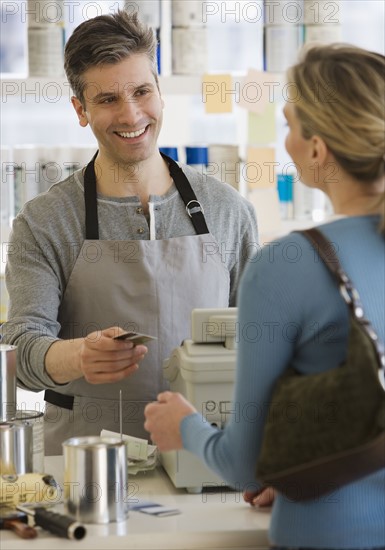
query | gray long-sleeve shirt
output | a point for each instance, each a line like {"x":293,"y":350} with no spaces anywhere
{"x":49,"y":232}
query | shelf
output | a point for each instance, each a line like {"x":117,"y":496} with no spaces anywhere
{"x":56,"y":87}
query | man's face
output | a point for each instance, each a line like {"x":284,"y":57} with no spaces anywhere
{"x":124,"y":108}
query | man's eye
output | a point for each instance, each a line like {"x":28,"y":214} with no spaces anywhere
{"x":142,"y":91}
{"x":107,"y":100}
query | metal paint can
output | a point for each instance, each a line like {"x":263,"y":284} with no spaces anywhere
{"x":96,"y":479}
{"x":36,"y":421}
{"x":15,"y":448}
{"x":7,"y":382}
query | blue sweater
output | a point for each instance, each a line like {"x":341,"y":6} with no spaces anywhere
{"x":287,"y":296}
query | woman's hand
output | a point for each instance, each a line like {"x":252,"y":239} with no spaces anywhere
{"x":264,"y":497}
{"x":163,"y":420}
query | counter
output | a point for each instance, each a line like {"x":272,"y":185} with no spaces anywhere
{"x":219,"y":520}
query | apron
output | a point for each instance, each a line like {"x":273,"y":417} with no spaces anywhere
{"x":145,"y":286}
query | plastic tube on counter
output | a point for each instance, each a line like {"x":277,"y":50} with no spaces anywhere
{"x":58,"y":524}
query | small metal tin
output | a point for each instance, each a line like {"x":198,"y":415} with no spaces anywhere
{"x":96,"y":479}
{"x":16,"y":453}
{"x":7,"y":382}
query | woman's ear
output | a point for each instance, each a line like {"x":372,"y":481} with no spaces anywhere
{"x":319,"y":150}
{"x":80,"y":111}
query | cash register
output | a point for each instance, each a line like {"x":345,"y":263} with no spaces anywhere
{"x":203,"y":370}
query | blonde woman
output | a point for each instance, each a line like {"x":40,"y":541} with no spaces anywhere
{"x":337,"y":138}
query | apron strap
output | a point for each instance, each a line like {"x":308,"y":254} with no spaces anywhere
{"x":193,"y":206}
{"x":91,"y":203}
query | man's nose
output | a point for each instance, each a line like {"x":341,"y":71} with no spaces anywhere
{"x":129,"y":110}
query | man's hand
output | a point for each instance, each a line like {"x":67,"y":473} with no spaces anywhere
{"x":98,"y":358}
{"x":163,"y":420}
{"x":104,"y":360}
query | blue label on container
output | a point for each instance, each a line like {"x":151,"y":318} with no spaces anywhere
{"x":197,"y":155}
{"x":285,"y":187}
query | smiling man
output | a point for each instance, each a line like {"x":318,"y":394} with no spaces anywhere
{"x":133,"y":241}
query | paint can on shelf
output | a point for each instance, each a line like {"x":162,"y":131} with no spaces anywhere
{"x":224,"y":163}
{"x":46,"y":51}
{"x":187,"y":14}
{"x":189,"y":50}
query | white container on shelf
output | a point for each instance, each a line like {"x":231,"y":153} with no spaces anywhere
{"x":187,"y":13}
{"x":149,"y":11}
{"x":224,"y":163}
{"x":282,"y":43}
{"x":46,"y":51}
{"x":309,"y":203}
{"x":26,"y":175}
{"x":44,"y":12}
{"x":284,"y":12}
{"x":322,"y":12}
{"x":189,"y":50}
{"x":324,"y":34}
{"x":7,"y":192}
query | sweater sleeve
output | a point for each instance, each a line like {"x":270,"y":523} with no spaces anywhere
{"x":34,"y":292}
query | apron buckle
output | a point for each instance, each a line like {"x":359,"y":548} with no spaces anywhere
{"x":194,"y":209}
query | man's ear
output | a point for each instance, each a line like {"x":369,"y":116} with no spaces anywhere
{"x":80,"y":111}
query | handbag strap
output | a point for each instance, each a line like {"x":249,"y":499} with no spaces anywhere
{"x":326,"y":252}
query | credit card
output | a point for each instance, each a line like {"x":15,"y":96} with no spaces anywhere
{"x":154,"y":509}
{"x":135,"y":337}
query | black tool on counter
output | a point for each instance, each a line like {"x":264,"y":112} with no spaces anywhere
{"x":60,"y":525}
{"x":16,"y":522}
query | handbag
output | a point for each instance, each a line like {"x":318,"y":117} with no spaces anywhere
{"x":327,"y":429}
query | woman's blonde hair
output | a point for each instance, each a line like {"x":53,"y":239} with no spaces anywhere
{"x":338,"y":92}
